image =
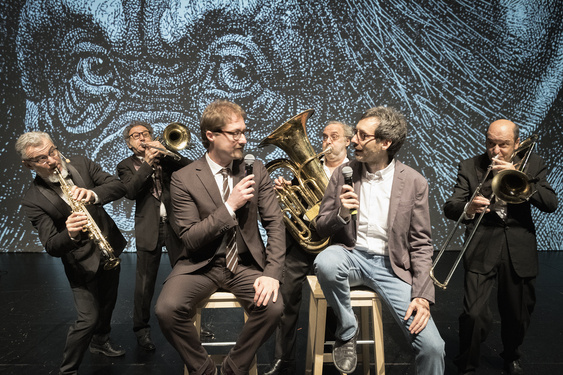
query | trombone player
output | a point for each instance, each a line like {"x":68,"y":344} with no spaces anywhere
{"x":503,"y":248}
{"x":146,"y":175}
{"x":94,"y":286}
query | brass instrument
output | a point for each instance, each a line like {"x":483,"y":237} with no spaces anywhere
{"x":175,"y":137}
{"x":94,"y":232}
{"x":300,"y":203}
{"x":511,"y":186}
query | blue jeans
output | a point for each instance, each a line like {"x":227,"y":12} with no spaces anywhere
{"x":338,"y":269}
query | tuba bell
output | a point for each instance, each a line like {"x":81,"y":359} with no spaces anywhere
{"x":300,"y":203}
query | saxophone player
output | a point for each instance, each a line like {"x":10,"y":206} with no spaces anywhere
{"x":94,"y":285}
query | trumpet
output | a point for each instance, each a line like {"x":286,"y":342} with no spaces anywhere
{"x":94,"y":232}
{"x":176,"y":137}
{"x":511,"y":186}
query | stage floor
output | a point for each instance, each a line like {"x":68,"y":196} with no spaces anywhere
{"x":36,"y":310}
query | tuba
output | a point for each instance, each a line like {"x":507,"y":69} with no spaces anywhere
{"x":94,"y":231}
{"x":300,"y":203}
{"x":175,"y":137}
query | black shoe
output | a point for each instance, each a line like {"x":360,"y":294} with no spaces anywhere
{"x":514,"y":368}
{"x":344,"y":354}
{"x":281,"y":367}
{"x":106,"y":349}
{"x":144,"y":340}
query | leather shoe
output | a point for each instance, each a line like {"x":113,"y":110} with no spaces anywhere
{"x":281,"y":367}
{"x":144,"y":340}
{"x":106,"y":349}
{"x":226,"y":369}
{"x":514,"y":368}
{"x":344,"y":354}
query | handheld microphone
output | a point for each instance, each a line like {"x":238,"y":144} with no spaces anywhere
{"x":249,"y":161}
{"x":347,"y":172}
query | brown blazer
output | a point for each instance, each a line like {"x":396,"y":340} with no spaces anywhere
{"x":409,"y":229}
{"x":202,"y":218}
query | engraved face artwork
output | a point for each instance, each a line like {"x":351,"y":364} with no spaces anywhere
{"x":89,"y":67}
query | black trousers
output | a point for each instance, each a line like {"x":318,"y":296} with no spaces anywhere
{"x":298,"y":264}
{"x":148,"y":263}
{"x":516,"y":299}
{"x":94,"y":302}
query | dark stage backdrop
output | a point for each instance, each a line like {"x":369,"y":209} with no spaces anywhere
{"x":81,"y":69}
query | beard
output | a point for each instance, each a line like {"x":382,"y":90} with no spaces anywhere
{"x":53,"y":178}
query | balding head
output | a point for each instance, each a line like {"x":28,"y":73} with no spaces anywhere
{"x":502,"y":139}
{"x":504,"y":125}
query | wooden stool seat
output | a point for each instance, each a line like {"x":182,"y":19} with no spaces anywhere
{"x":219,"y":300}
{"x":365,"y":299}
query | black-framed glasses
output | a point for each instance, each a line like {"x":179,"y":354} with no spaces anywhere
{"x":137,"y":135}
{"x":237,"y":133}
{"x":362,"y":136}
{"x":42,"y":159}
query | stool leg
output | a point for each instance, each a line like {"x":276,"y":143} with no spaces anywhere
{"x":320,"y":337}
{"x":312,"y":334}
{"x":364,"y":318}
{"x":379,"y":355}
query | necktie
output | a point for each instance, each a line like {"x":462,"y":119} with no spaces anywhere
{"x":231,"y":248}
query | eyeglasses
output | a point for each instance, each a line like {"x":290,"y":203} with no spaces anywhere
{"x":236,"y":134}
{"x":135,"y":136}
{"x":362,"y":136}
{"x":334,"y":136}
{"x":42,"y":159}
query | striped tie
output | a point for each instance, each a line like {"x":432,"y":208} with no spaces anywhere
{"x":231,"y":248}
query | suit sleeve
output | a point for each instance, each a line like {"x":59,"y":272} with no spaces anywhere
{"x":455,"y":205}
{"x":328,"y":222}
{"x":137,"y":182}
{"x":272,"y":221}
{"x":544,"y":198}
{"x":108,"y":187}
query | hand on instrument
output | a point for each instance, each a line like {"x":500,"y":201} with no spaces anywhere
{"x":242,"y":193}
{"x":420,"y":307}
{"x":266,"y":288}
{"x":82,"y":195}
{"x":501,"y":165}
{"x":75,"y":222}
{"x":348,"y":198}
{"x":478,"y":204}
{"x":280,"y":182}
{"x":151,"y":153}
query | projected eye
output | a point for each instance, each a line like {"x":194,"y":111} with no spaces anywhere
{"x":95,"y":71}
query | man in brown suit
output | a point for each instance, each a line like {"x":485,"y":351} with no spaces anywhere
{"x":380,"y":225}
{"x":216,"y":210}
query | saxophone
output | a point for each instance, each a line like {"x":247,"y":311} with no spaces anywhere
{"x":94,"y":232}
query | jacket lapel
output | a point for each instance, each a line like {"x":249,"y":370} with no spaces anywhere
{"x":203,"y":172}
{"x":52,"y":196}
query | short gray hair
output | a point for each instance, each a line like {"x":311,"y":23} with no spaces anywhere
{"x":348,"y":131}
{"x":30,"y":139}
{"x":134,"y":123}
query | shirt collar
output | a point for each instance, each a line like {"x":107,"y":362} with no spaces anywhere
{"x":380,"y":175}
{"x":216,"y":168}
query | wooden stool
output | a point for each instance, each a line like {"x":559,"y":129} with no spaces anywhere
{"x":366,"y":300}
{"x":219,"y":300}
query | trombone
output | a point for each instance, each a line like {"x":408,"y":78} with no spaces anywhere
{"x":175,"y":137}
{"x":511,"y":186}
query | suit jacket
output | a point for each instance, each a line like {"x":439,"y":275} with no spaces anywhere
{"x":139,"y":185}
{"x":409,"y":229}
{"x":518,"y":230}
{"x":202,"y":218}
{"x":48,"y":213}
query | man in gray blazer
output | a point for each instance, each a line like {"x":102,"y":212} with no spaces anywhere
{"x":146,"y":175}
{"x":60,"y":231}
{"x":216,"y":208}
{"x":380,"y":225}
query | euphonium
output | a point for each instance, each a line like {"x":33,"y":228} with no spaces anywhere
{"x":300,"y":203}
{"x":94,"y":232}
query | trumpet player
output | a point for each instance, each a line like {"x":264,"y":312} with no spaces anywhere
{"x":503,"y":248}
{"x":61,"y":232}
{"x":146,"y":175}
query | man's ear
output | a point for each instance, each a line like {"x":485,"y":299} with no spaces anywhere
{"x":386,"y":143}
{"x":210,"y":135}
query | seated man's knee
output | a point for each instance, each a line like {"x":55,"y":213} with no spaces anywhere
{"x":169,"y":312}
{"x":327,"y":264}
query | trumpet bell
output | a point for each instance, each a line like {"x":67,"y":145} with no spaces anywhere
{"x":512,"y":186}
{"x":176,"y":136}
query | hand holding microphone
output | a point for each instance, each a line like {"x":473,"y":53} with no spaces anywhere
{"x":348,"y":197}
